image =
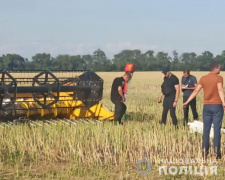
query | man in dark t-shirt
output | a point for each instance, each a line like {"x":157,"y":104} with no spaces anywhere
{"x":170,"y":90}
{"x":117,"y":96}
{"x":189,"y":83}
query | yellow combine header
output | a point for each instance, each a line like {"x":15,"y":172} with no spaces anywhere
{"x":52,"y":94}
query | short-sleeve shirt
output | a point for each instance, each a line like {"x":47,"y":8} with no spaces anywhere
{"x":172,"y":81}
{"x":115,"y":96}
{"x":190,"y":82}
{"x":209,"y":85}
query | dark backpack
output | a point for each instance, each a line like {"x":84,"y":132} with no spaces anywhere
{"x":167,"y":89}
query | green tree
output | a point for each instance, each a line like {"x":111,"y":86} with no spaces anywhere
{"x":100,"y":61}
{"x":128,"y":56}
{"x":204,"y":60}
{"x":162,"y":60}
{"x":89,"y":61}
{"x":175,"y":64}
{"x":77,"y":63}
{"x":42,"y":61}
{"x":148,"y":60}
{"x":188,"y":60}
{"x":61,"y":62}
{"x":221,"y":60}
{"x":12,"y":62}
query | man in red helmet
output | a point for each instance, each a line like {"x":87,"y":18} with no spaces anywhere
{"x":117,"y":96}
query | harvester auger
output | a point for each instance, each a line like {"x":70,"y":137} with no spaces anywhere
{"x":51,"y":94}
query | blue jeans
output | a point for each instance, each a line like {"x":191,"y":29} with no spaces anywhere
{"x":212,"y":114}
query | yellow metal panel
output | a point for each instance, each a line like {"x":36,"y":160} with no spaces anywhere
{"x":97,"y":111}
{"x":66,"y":106}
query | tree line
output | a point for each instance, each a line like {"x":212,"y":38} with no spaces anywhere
{"x":148,"y":61}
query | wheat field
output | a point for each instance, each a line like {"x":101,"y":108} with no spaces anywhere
{"x":102,"y":150}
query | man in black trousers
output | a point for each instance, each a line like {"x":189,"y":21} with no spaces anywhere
{"x":170,"y":90}
{"x":189,"y":83}
{"x":117,"y":96}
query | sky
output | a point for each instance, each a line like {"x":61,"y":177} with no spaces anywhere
{"x":78,"y":27}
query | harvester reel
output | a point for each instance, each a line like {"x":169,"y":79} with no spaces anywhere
{"x":47,"y":83}
{"x":93,"y":95}
{"x":7,"y":82}
{"x":70,"y":93}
